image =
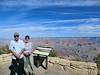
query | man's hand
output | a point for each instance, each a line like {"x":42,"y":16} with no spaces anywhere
{"x":20,"y":53}
{"x":18,"y":56}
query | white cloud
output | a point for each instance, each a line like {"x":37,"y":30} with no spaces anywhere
{"x":85,"y":21}
{"x":31,"y":29}
{"x":84,"y":24}
{"x":43,"y":28}
{"x":41,"y":3}
{"x":40,"y":31}
{"x":89,"y":28}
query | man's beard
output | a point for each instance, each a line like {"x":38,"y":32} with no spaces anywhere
{"x":16,"y":39}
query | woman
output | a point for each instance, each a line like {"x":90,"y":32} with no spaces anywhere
{"x":28,"y":56}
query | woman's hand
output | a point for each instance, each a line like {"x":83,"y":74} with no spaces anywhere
{"x":26,"y":53}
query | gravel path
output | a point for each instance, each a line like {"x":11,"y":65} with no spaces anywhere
{"x":4,"y":68}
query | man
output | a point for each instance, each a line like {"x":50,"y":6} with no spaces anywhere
{"x":17,"y":48}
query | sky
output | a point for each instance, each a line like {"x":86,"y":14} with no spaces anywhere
{"x":50,"y":18}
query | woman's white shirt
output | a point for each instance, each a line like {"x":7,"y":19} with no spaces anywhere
{"x":28,"y":47}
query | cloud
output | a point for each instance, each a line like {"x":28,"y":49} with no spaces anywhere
{"x":72,"y":22}
{"x":75,"y":20}
{"x":32,"y":29}
{"x":24,"y":28}
{"x":84,"y":24}
{"x":42,"y":3}
{"x":86,"y":27}
{"x":63,"y":31}
{"x":89,"y":28}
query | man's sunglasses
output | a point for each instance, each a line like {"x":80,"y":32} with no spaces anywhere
{"x":16,"y":35}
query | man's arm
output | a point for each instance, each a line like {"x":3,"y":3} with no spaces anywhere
{"x":15,"y":54}
{"x":21,"y":52}
{"x":22,"y":49}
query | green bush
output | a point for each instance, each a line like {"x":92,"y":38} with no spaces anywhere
{"x":53,"y":53}
{"x":4,"y":50}
{"x":97,"y":60}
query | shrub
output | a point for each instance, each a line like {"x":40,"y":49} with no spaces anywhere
{"x":4,"y":50}
{"x":97,"y":60}
{"x":53,"y":53}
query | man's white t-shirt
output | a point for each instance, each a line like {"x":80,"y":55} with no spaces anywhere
{"x":16,"y":47}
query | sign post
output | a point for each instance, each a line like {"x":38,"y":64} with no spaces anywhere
{"x":42,"y":52}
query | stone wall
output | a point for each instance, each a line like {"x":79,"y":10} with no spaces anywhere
{"x":74,"y":67}
{"x":58,"y":66}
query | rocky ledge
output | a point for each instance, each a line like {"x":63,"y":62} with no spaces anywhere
{"x":67,"y":67}
{"x":57,"y":66}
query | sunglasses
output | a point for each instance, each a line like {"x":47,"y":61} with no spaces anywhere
{"x":16,"y":35}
